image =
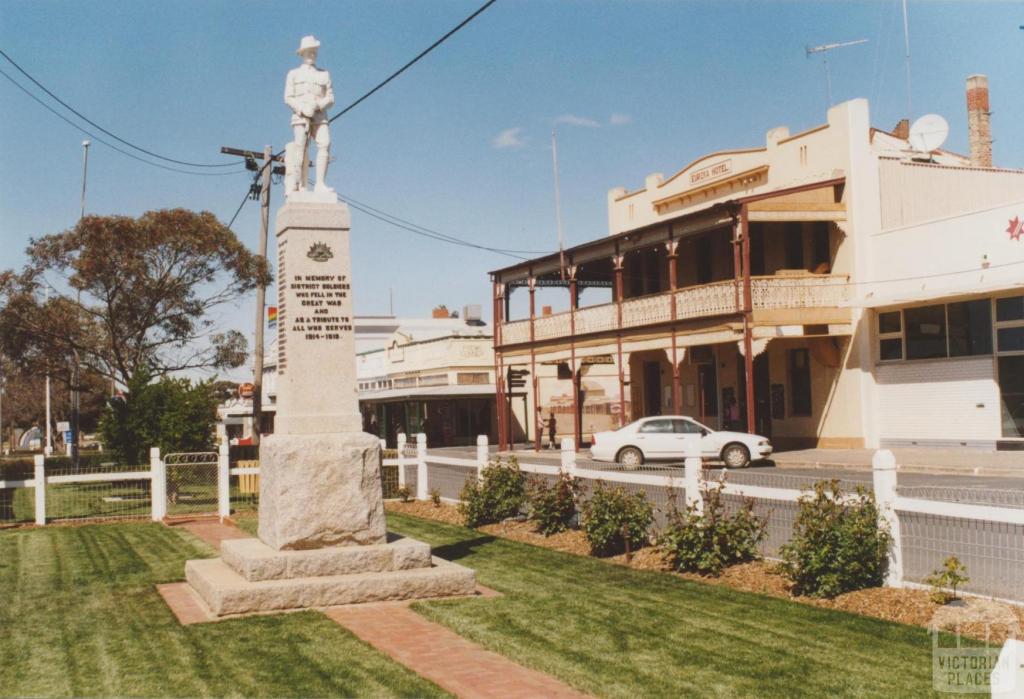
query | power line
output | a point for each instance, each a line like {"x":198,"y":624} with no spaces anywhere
{"x":239,"y":209}
{"x":111,"y":145}
{"x":434,"y":233}
{"x":112,"y":135}
{"x":422,"y":53}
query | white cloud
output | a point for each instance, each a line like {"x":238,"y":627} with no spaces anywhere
{"x":620,"y":119}
{"x":573,"y":120}
{"x":509,"y":138}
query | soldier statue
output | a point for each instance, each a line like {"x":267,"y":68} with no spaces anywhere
{"x":308,"y":93}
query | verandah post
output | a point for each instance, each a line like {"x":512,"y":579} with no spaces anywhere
{"x":158,"y":484}
{"x":223,"y":481}
{"x":883,"y":472}
{"x":39,"y":476}
{"x":421,"y":466}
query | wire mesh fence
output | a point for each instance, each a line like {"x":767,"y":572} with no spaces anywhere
{"x":104,"y":491}
{"x":993,"y":552}
{"x":191,"y":483}
{"x":389,"y":480}
{"x":448,"y":479}
{"x":17,"y":505}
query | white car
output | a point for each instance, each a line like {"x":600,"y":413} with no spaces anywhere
{"x":664,"y":437}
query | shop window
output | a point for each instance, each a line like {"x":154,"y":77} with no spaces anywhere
{"x":800,"y":382}
{"x":1011,"y":390}
{"x":1011,"y":339}
{"x":1011,"y":308}
{"x":890,"y":336}
{"x":925,"y":332}
{"x":970,"y":328}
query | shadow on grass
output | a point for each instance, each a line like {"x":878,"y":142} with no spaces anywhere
{"x":461,"y":549}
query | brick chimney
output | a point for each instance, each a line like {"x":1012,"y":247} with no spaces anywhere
{"x":902,"y":129}
{"x":978,"y":130}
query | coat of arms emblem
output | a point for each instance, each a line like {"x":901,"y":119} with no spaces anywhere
{"x":319,"y":252}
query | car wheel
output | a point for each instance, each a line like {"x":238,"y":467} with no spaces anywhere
{"x":736,"y":456}
{"x":630,"y":457}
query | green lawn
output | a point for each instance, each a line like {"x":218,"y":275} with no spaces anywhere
{"x":616,"y":632}
{"x":79,"y":616}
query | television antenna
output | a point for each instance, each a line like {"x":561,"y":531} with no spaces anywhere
{"x":928,"y":133}
{"x":823,"y":50}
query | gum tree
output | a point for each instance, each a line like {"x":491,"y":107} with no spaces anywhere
{"x":128,"y":294}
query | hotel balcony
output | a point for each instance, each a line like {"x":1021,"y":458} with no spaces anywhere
{"x":781,"y":292}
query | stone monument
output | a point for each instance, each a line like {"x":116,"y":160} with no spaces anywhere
{"x":322,"y":538}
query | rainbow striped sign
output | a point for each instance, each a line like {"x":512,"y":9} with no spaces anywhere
{"x":271,"y":316}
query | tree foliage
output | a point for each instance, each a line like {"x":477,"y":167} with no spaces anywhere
{"x":24,"y":398}
{"x":173,"y":414}
{"x":140,"y":293}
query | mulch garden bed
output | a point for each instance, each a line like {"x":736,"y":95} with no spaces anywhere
{"x":977,"y":617}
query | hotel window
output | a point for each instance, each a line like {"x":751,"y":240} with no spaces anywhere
{"x":970,"y":328}
{"x":925,"y":332}
{"x":800,"y":382}
{"x":890,"y":336}
{"x":962,"y":329}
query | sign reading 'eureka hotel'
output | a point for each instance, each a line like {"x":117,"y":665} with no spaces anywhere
{"x":710,"y":172}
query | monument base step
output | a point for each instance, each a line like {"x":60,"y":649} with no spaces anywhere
{"x":226,"y":592}
{"x":254,"y":560}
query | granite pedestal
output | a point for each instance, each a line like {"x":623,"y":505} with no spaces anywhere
{"x":322,"y":537}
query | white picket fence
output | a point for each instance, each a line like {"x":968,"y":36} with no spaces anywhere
{"x":973,"y":518}
{"x":936,"y":527}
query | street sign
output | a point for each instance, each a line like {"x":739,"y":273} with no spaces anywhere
{"x":63,"y":426}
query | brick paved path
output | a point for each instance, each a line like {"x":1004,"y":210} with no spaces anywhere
{"x":428,"y":649}
{"x":455,"y":664}
{"x":212,"y":531}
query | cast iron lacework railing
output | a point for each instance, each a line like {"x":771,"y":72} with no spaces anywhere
{"x":717,"y":298}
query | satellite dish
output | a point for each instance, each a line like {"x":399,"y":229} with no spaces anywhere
{"x":928,"y":133}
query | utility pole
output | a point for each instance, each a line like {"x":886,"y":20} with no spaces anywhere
{"x":76,"y":369}
{"x":264,"y":194}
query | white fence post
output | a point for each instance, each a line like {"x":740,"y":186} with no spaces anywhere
{"x":401,"y":459}
{"x":693,"y":465}
{"x":158,"y":484}
{"x":883,"y":471}
{"x":482,"y":455}
{"x":569,"y":456}
{"x":421,"y":466}
{"x":40,"y":479}
{"x":223,"y":481}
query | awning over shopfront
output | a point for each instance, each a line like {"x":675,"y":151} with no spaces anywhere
{"x":426,"y":392}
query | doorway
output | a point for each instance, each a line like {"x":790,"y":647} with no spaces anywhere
{"x":652,"y":388}
{"x":762,"y":394}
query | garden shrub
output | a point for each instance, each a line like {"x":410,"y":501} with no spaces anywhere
{"x":498,"y":495}
{"x":552,"y":507}
{"x":611,"y":518}
{"x":838,"y":544}
{"x":708,"y":541}
{"x":404,"y":493}
{"x":435,"y":497}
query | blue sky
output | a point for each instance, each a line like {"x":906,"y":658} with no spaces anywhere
{"x":461,"y":142}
